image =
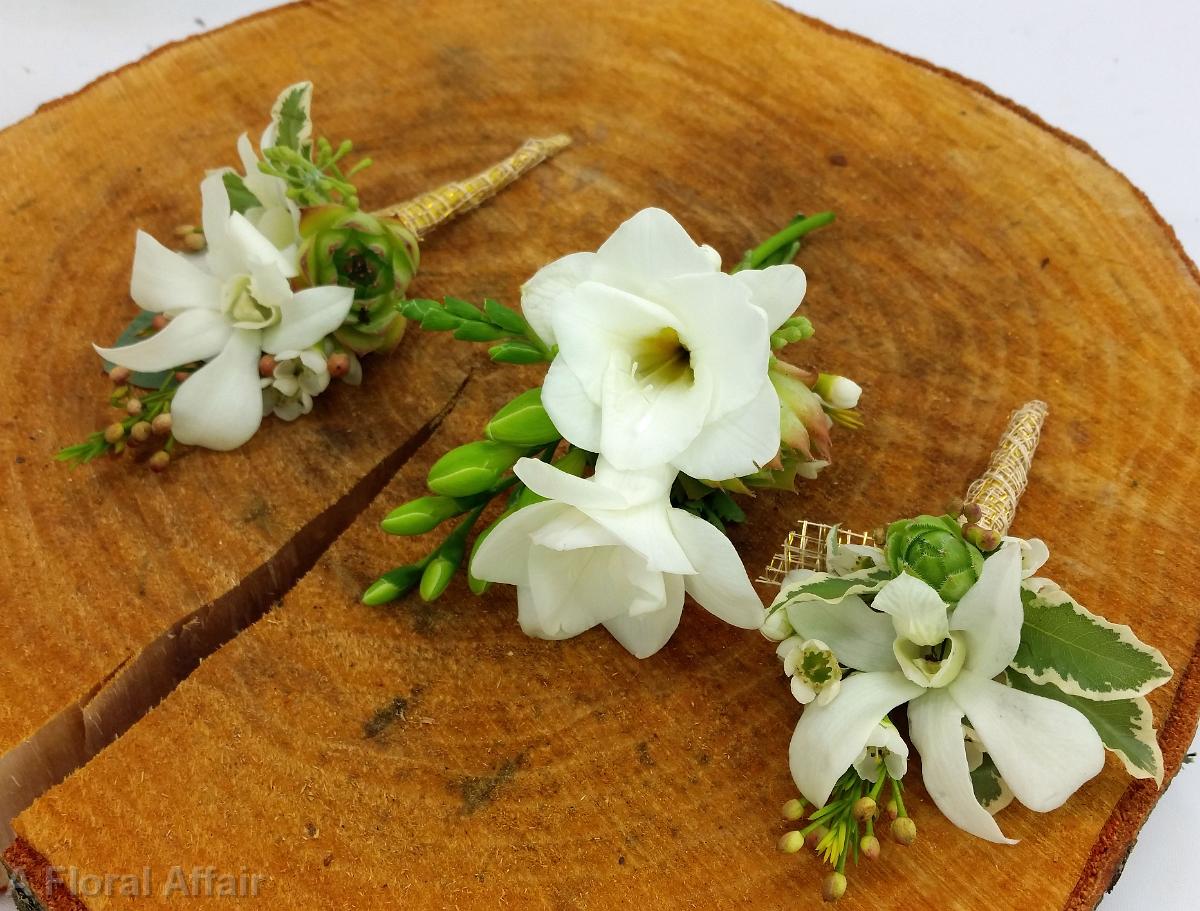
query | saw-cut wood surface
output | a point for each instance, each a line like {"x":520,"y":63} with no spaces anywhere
{"x":431,"y":756}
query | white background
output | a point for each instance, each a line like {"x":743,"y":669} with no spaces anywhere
{"x":1123,"y":76}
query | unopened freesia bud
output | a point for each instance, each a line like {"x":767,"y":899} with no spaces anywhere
{"x":904,"y":830}
{"x":472,"y":468}
{"x":834,"y":886}
{"x":424,"y":514}
{"x":791,"y":842}
{"x":838,"y":391}
{"x":523,"y":422}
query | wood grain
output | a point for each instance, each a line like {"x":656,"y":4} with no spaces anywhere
{"x":432,"y":756}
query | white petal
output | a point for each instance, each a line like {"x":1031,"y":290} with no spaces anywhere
{"x":220,"y":405}
{"x":642,"y":424}
{"x":1043,"y":749}
{"x":737,"y":444}
{"x":574,"y":530}
{"x":549,"y":285}
{"x":720,"y":585}
{"x":555,"y":484}
{"x":255,"y":248}
{"x":935,"y":725}
{"x":728,"y":337}
{"x":220,"y":254}
{"x":648,"y":485}
{"x":594,"y":321}
{"x":828,"y":738}
{"x":860,"y":637}
{"x":917,"y":612}
{"x":247,"y":155}
{"x":164,"y":281}
{"x":194,"y":335}
{"x":503,"y":556}
{"x":1034,"y":554}
{"x":646,"y":633}
{"x":576,"y":589}
{"x":990,"y":615}
{"x":310,"y":316}
{"x":649,"y":247}
{"x":532,"y":622}
{"x":777,"y":290}
{"x":575,"y":416}
{"x":646,"y":529}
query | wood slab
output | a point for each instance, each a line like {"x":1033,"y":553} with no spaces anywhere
{"x":423,"y":756}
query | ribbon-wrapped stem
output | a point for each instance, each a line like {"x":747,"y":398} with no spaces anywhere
{"x":988,"y":508}
{"x":991,"y":501}
{"x":423,"y":213}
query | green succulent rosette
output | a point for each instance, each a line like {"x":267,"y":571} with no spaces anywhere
{"x":933,"y":549}
{"x":377,"y":257}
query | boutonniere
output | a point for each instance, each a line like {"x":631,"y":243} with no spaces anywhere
{"x":285,"y":286}
{"x":611,"y":484}
{"x":1010,"y":687}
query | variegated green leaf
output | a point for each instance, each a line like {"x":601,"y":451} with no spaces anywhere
{"x":291,"y":116}
{"x":1080,"y":653}
{"x":990,"y":790}
{"x":833,"y":589}
{"x":1126,"y":726}
{"x":240,"y":197}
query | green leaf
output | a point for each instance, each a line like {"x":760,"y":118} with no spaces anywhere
{"x":1126,"y":726}
{"x":1083,"y":654}
{"x":834,"y":589}
{"x":292,"y":116}
{"x":990,"y":790}
{"x":240,"y":198}
{"x":136,"y":331}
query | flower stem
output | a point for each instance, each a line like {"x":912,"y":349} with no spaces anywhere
{"x":760,"y":255}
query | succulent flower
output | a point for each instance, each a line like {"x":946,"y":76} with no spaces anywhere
{"x":933,"y":549}
{"x":377,"y":257}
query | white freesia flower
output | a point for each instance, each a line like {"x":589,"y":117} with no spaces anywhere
{"x":610,"y":550}
{"x":813,"y":668}
{"x":943,"y":666}
{"x":226,"y":314}
{"x":298,"y":377}
{"x":885,"y":747}
{"x":662,"y":358}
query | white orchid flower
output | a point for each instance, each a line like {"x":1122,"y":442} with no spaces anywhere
{"x":911,"y":650}
{"x":226,"y":314}
{"x":1034,"y":554}
{"x":298,"y":377}
{"x":611,"y":550}
{"x":842,"y":558}
{"x":278,"y":218}
{"x":885,"y":749}
{"x":813,"y":668}
{"x":662,"y":357}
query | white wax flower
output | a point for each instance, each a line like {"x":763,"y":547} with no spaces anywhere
{"x":298,"y":377}
{"x":226,"y":314}
{"x":611,"y":550}
{"x":1044,"y":750}
{"x":662,"y":357}
{"x":885,"y":747}
{"x":813,"y":668}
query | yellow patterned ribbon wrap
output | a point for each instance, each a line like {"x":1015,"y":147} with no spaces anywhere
{"x":998,"y":491}
{"x":424,"y":213}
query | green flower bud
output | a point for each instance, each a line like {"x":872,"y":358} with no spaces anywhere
{"x":791,"y":842}
{"x":904,"y":830}
{"x":864,"y":808}
{"x":793,"y":809}
{"x":442,"y":567}
{"x":523,"y":422}
{"x":392,"y":585}
{"x":870,"y":847}
{"x":473,"y":468}
{"x":933,"y":549}
{"x":834,"y":886}
{"x":516,"y":351}
{"x":377,"y":257}
{"x":421,"y":515}
{"x":574,"y":461}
